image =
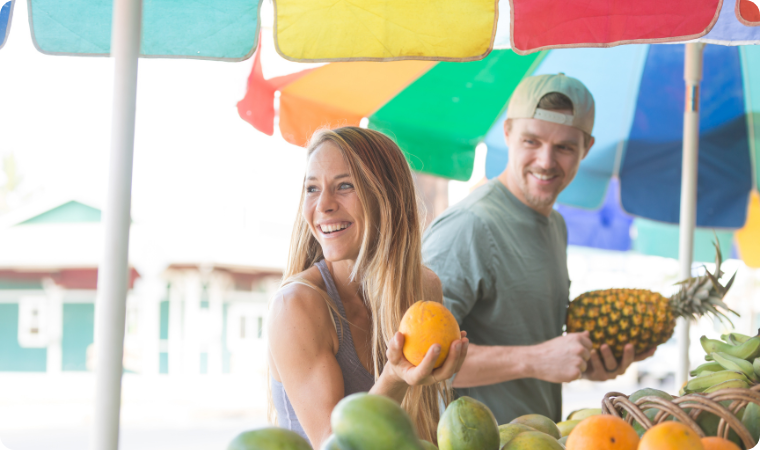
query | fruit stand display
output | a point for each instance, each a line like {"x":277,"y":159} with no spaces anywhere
{"x":718,"y":409}
{"x":723,"y":398}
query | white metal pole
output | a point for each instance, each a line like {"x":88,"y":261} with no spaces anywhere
{"x":113,"y":274}
{"x":688,"y":219}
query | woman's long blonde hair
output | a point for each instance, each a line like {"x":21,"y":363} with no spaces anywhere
{"x":389,"y":266}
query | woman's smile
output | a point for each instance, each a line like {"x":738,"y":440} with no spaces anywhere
{"x":333,"y":229}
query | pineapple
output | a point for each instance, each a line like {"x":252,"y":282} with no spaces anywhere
{"x":644,"y":318}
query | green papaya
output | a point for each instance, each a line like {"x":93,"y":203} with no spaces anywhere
{"x":563,"y":440}
{"x":510,"y":430}
{"x":751,"y":420}
{"x":372,"y":422}
{"x":533,"y":440}
{"x":539,"y":423}
{"x":271,"y":438}
{"x":650,"y":413}
{"x":709,"y":424}
{"x":468,"y":423}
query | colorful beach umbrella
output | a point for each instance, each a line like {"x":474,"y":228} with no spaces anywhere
{"x":439,"y":113}
{"x":382,"y":30}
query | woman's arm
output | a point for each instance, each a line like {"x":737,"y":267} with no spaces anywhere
{"x":302,"y":346}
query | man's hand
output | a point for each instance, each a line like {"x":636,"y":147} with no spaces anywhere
{"x":607,"y":367}
{"x":562,"y":359}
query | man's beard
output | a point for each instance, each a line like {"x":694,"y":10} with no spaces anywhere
{"x":535,"y":201}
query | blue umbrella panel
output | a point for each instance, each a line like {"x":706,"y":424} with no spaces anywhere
{"x":639,"y":93}
{"x":170,"y":29}
{"x":6,"y":14}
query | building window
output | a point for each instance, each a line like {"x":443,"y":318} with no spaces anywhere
{"x":32,"y":322}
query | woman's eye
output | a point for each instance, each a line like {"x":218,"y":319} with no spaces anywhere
{"x":346,"y":186}
{"x":310,"y":189}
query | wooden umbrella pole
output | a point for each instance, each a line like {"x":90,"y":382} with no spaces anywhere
{"x":113,"y":273}
{"x":688,"y":217}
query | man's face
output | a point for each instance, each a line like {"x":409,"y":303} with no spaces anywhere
{"x":543,"y":159}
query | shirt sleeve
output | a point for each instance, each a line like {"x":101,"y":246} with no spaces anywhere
{"x":459,"y":249}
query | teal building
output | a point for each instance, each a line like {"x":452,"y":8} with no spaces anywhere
{"x":186,"y":314}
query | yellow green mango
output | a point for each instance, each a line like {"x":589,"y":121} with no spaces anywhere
{"x":271,"y":438}
{"x":510,"y":430}
{"x":567,"y":426}
{"x":372,"y":422}
{"x":532,"y":440}
{"x":539,"y":423}
{"x":467,"y":424}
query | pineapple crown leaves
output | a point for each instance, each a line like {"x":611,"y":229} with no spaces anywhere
{"x":704,"y":295}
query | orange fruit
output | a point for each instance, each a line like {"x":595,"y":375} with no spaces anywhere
{"x":716,"y":443}
{"x":670,"y":435}
{"x":603,"y":433}
{"x":425,"y":324}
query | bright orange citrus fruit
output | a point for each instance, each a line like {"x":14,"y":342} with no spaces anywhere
{"x":716,"y":443}
{"x":603,"y":433}
{"x":670,"y":436}
{"x":425,"y":324}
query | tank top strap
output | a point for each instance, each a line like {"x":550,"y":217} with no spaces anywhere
{"x":332,"y":291}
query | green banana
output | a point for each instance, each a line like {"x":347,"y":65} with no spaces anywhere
{"x":730,"y":384}
{"x":738,"y":338}
{"x":703,"y":382}
{"x":748,"y":351}
{"x":714,"y":346}
{"x":710,"y":367}
{"x":738,"y":365}
{"x":756,"y":366}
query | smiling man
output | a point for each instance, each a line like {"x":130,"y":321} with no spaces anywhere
{"x":501,"y":257}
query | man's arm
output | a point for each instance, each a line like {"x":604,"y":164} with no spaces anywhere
{"x":559,"y":360}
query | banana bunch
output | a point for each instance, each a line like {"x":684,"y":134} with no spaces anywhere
{"x":733,"y":362}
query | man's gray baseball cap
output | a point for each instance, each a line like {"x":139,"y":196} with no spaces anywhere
{"x":525,"y":98}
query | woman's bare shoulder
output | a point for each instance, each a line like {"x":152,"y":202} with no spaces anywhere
{"x":299,"y":305}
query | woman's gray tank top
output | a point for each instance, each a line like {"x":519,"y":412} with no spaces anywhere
{"x":355,"y":376}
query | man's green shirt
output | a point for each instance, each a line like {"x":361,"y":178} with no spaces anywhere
{"x":503,"y":267}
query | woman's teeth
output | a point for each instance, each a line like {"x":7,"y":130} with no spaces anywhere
{"x":333,"y":227}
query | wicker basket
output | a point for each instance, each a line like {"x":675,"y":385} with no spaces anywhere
{"x":687,"y":409}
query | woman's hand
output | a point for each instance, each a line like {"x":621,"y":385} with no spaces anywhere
{"x":401,"y":370}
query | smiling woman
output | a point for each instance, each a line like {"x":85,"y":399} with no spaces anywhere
{"x":354,"y":268}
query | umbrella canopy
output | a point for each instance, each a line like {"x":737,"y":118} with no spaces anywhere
{"x":439,"y":112}
{"x":379,"y":30}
